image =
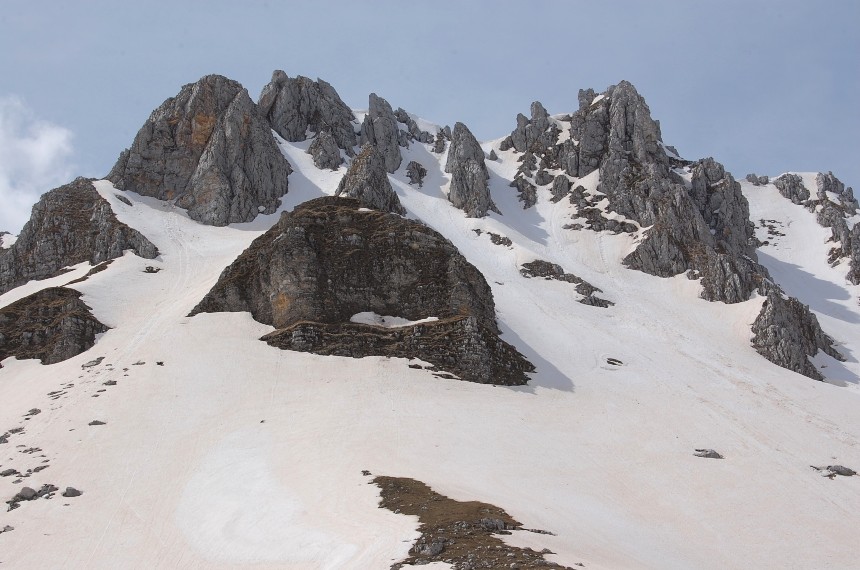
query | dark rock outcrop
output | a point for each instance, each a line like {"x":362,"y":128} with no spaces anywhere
{"x":791,"y":186}
{"x":380,"y":129}
{"x":553,"y":271}
{"x":413,"y":131}
{"x":787,"y":333}
{"x":537,"y":133}
{"x":52,"y":325}
{"x":320,"y":266}
{"x":68,"y":225}
{"x":211,"y":150}
{"x":416,"y":173}
{"x":325,"y":151}
{"x":367,"y":182}
{"x":294,"y":106}
{"x":757,"y":180}
{"x":469,"y":189}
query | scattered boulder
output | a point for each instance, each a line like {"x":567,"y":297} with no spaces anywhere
{"x":210,"y":150}
{"x":707,"y":453}
{"x":294,"y":106}
{"x":553,"y":271}
{"x":469,"y":189}
{"x":72,"y":492}
{"x":97,"y":423}
{"x":52,"y":325}
{"x":68,"y":225}
{"x":320,"y":266}
{"x":325,"y":151}
{"x":831,"y":471}
{"x":367,"y":181}
{"x":379,"y":128}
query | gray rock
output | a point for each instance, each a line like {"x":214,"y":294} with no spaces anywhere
{"x":786,"y":332}
{"x":416,"y":173}
{"x":294,"y":106}
{"x":757,"y":180}
{"x":553,"y":271}
{"x":841,"y":470}
{"x":560,"y":188}
{"x":7,"y":528}
{"x":469,"y":190}
{"x":211,"y":151}
{"x":828,"y":184}
{"x":380,"y":129}
{"x":367,"y":181}
{"x":52,"y":325}
{"x":7,"y":472}
{"x":791,"y":186}
{"x":26,"y":494}
{"x":325,"y":151}
{"x":707,"y":453}
{"x":439,"y":143}
{"x":321,"y":264}
{"x":536,"y":133}
{"x":493,"y":155}
{"x":413,"y":131}
{"x":68,"y":225}
{"x":542,"y":178}
{"x":526,"y":191}
{"x":97,"y":423}
{"x":72,"y":492}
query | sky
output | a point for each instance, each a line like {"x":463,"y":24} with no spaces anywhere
{"x":763,"y":86}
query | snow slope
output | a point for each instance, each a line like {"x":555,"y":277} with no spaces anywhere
{"x":231,"y":453}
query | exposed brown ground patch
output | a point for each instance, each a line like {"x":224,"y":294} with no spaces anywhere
{"x":463,"y":534}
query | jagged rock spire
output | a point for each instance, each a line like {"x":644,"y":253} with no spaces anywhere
{"x":380,"y":129}
{"x":469,"y":189}
{"x":367,"y":181}
{"x":211,"y":150}
{"x":294,"y":106}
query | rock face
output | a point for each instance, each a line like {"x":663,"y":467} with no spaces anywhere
{"x":52,"y":325}
{"x":413,"y":131}
{"x":469,"y":190}
{"x":380,"y":129}
{"x":367,"y":181}
{"x":209,"y":149}
{"x":325,"y":151}
{"x":787,"y":333}
{"x":791,"y":186}
{"x":295,"y":106}
{"x":69,"y":225}
{"x":321,"y":265}
{"x":416,"y":173}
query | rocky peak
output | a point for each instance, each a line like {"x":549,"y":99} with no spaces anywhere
{"x":535,"y":134}
{"x":294,"y":106}
{"x":380,"y":129}
{"x":325,"y":151}
{"x":209,"y":149}
{"x":320,"y":266}
{"x":367,"y":181}
{"x":68,"y":225}
{"x":469,"y":190}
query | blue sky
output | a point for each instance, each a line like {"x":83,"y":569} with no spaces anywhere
{"x":764,"y":86}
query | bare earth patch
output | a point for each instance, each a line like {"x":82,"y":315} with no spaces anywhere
{"x":462,"y":534}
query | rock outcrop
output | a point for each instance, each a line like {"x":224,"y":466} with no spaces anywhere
{"x":367,"y":181}
{"x":416,"y":173}
{"x":413,"y":131}
{"x":553,"y":271}
{"x":791,"y":186}
{"x":68,"y":225}
{"x":325,"y":151}
{"x":211,"y":150}
{"x":320,"y":265}
{"x":469,"y":190}
{"x":380,"y":129}
{"x":294,"y":106}
{"x":52,"y":325}
{"x":787,"y":333}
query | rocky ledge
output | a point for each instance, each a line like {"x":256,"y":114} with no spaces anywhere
{"x":52,"y":325}
{"x":320,"y":265}
{"x":69,"y":225}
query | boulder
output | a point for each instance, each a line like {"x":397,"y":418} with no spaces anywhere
{"x":367,"y":181}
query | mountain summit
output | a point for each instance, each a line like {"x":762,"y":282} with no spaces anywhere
{"x":278,"y":327}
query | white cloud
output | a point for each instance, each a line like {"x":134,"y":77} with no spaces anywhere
{"x":35,"y":156}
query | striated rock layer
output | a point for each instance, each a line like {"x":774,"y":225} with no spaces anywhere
{"x":52,"y":325}
{"x":69,"y":225}
{"x":328,"y":260}
{"x":211,"y":150}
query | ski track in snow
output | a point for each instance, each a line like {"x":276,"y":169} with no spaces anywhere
{"x":233,"y":453}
